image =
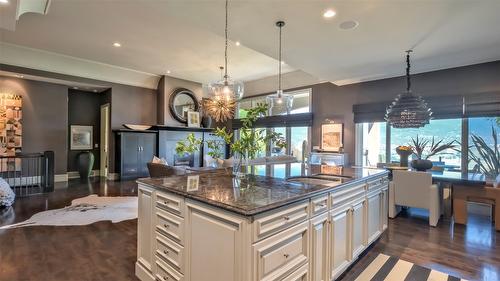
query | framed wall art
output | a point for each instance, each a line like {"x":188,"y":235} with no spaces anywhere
{"x":81,"y":137}
{"x":332,"y":137}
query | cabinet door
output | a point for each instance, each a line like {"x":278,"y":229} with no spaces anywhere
{"x":147,"y":145}
{"x":129,"y":155}
{"x":385,"y":208}
{"x":319,"y":248}
{"x":339,"y":233}
{"x":145,"y":229}
{"x":214,"y":245}
{"x":374,"y":210}
{"x":358,"y":228}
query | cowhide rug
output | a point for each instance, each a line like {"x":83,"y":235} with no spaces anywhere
{"x":84,"y":211}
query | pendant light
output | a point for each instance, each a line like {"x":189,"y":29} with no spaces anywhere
{"x":279,"y":103}
{"x":226,"y":89}
{"x":408,"y":110}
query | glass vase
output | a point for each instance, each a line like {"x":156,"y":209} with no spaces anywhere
{"x":239,"y":165}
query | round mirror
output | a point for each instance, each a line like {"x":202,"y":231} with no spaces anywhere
{"x":181,"y":101}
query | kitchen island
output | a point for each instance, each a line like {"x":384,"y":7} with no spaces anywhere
{"x":212,"y":226}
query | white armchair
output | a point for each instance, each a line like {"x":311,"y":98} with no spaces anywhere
{"x":415,"y":189}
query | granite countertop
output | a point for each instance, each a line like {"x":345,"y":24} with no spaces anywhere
{"x":255,"y":194}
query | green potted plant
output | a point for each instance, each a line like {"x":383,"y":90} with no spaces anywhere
{"x":486,"y":157}
{"x":214,"y":152}
{"x":188,"y":146}
{"x":250,"y":140}
{"x":421,"y":145}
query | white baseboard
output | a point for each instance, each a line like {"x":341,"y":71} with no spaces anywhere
{"x":23,"y":181}
{"x":76,"y":175}
{"x":113,"y":176}
{"x":61,"y":178}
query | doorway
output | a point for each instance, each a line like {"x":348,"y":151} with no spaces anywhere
{"x":104,"y":164}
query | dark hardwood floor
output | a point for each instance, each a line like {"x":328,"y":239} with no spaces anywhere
{"x":107,"y":251}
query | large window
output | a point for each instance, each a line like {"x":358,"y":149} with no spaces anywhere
{"x":301,"y":103}
{"x":446,"y":130}
{"x":373,"y":143}
{"x":484,"y":134}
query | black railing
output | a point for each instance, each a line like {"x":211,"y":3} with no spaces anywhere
{"x":28,"y":173}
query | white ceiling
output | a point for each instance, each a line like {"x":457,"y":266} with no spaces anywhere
{"x":186,"y":36}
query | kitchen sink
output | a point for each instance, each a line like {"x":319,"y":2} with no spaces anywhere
{"x":316,"y":180}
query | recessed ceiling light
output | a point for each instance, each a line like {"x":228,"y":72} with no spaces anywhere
{"x":237,"y":43}
{"x":95,"y":91}
{"x":117,"y":44}
{"x":18,"y":75}
{"x":329,"y":13}
{"x":282,"y":62}
{"x":350,"y":24}
{"x":168,"y":71}
{"x":75,"y":88}
{"x":4,"y":1}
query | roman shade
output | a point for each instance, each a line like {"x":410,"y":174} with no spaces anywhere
{"x":443,"y":107}
{"x":292,"y":120}
{"x":482,"y":105}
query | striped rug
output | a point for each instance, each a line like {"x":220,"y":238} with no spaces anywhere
{"x":386,"y":268}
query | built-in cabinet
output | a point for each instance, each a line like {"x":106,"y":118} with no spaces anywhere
{"x":316,"y":239}
{"x":134,"y":150}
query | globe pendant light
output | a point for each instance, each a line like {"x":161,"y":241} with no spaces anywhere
{"x":279,"y":103}
{"x":226,"y":88}
{"x":408,"y":110}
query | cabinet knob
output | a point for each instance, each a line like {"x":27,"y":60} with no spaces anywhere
{"x":165,"y":278}
{"x":166,"y":225}
{"x":166,"y":252}
{"x":286,"y":256}
{"x":165,"y":202}
{"x":286,"y":218}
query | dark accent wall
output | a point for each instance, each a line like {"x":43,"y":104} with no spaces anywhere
{"x":129,"y":104}
{"x":45,"y":117}
{"x":166,"y":86}
{"x":335,"y":102}
{"x":84,"y":109}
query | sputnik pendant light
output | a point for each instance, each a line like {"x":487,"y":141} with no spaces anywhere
{"x":279,"y":103}
{"x":408,"y":110}
{"x":226,"y":89}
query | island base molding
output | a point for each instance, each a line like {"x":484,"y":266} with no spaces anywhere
{"x":314,"y":239}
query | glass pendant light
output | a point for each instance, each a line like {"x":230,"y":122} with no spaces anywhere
{"x":408,"y":110}
{"x":279,"y":103}
{"x":226,"y":89}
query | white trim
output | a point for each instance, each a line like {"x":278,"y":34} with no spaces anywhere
{"x":113,"y":176}
{"x":48,"y":61}
{"x":75,"y":175}
{"x":61,"y":178}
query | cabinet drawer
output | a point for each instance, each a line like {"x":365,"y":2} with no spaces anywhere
{"x":164,"y":272}
{"x":170,"y":252}
{"x":319,"y":204}
{"x":300,"y":274}
{"x":347,"y":195}
{"x":281,"y":254}
{"x":170,"y":225}
{"x":283,"y":218}
{"x":170,"y":202}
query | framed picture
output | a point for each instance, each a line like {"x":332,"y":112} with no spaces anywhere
{"x":193,"y":118}
{"x":81,"y":137}
{"x":332,"y":137}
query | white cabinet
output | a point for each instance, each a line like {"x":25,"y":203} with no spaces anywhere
{"x":145,"y":252}
{"x":314,"y":239}
{"x":339,"y":234}
{"x":374,"y":213}
{"x":319,"y":248}
{"x":215,"y":245}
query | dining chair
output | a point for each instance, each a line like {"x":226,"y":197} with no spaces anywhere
{"x":415,"y":189}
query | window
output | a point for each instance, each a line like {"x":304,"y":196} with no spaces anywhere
{"x":481,"y":156}
{"x":373,"y":143}
{"x":447,"y":130}
{"x":301,"y":103}
{"x":298,"y":135}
